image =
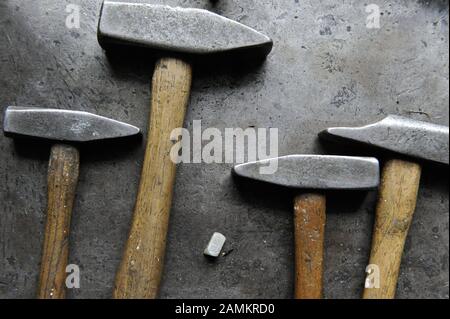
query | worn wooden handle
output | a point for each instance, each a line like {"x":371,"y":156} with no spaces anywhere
{"x":309,"y":221}
{"x":62,"y":182}
{"x":140,"y":271}
{"x":395,"y":210}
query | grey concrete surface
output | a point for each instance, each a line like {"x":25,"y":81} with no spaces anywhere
{"x":326,"y":69}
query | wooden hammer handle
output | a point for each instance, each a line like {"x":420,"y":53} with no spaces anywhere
{"x":140,"y":271}
{"x":62,"y":182}
{"x":395,"y":210}
{"x":309,"y":222}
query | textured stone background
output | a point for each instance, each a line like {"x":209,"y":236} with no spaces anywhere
{"x":326,"y":69}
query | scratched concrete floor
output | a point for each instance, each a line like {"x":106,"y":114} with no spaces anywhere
{"x":326,"y":69}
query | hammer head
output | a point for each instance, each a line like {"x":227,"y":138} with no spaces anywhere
{"x":402,"y":135}
{"x":177,"y":30}
{"x":63,"y":125}
{"x":317,"y":172}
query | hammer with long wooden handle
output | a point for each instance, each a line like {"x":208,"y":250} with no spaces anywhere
{"x":398,"y":190}
{"x":314,"y":174}
{"x":179,"y":35}
{"x":67,"y":129}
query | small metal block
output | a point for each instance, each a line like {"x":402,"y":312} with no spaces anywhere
{"x":215,"y":245}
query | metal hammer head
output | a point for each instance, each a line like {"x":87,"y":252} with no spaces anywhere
{"x":402,"y":135}
{"x":177,"y":30}
{"x":63,"y":125}
{"x":317,"y":172}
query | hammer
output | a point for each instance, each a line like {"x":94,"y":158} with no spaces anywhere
{"x":400,"y":181}
{"x":179,"y":35}
{"x":65,"y":128}
{"x":315,"y":173}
